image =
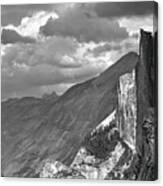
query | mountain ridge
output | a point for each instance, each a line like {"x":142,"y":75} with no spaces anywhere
{"x":72,"y":116}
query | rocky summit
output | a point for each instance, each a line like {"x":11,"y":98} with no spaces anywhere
{"x":98,"y":129}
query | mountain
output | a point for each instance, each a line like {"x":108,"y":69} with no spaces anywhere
{"x":34,"y":130}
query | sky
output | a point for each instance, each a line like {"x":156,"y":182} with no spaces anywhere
{"x":51,"y":47}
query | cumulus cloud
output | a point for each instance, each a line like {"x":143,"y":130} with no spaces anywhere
{"x":134,"y":24}
{"x":105,"y":48}
{"x":73,"y":43}
{"x":13,"y":14}
{"x":53,"y":61}
{"x":11,"y":36}
{"x":76,"y":23}
{"x":22,"y":78}
{"x":49,"y":51}
{"x":124,"y":9}
{"x":29,"y":26}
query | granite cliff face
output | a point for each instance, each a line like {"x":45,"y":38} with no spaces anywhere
{"x":127,"y":108}
{"x":101,"y":116}
{"x":146,"y":81}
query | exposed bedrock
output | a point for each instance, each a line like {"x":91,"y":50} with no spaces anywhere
{"x":55,"y":130}
{"x":59,"y":131}
{"x":127,"y":108}
{"x":146,"y":81}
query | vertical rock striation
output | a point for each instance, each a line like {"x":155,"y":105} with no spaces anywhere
{"x":122,"y":146}
{"x":115,"y":113}
{"x":146,"y":130}
{"x":127,"y":108}
{"x":144,"y":82}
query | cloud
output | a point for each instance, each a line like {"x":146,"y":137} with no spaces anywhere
{"x":105,"y":48}
{"x":76,"y":23}
{"x":52,"y":61}
{"x":22,"y":78}
{"x":76,"y":46}
{"x":11,"y":36}
{"x":29,"y":26}
{"x":124,"y":9}
{"x":28,"y":69}
{"x":134,"y":24}
{"x":51,"y":51}
{"x":13,"y":14}
{"x":55,"y":62}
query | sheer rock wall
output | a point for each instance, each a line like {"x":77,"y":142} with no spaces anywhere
{"x":127,"y":108}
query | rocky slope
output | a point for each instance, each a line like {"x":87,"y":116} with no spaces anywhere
{"x":44,"y":137}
